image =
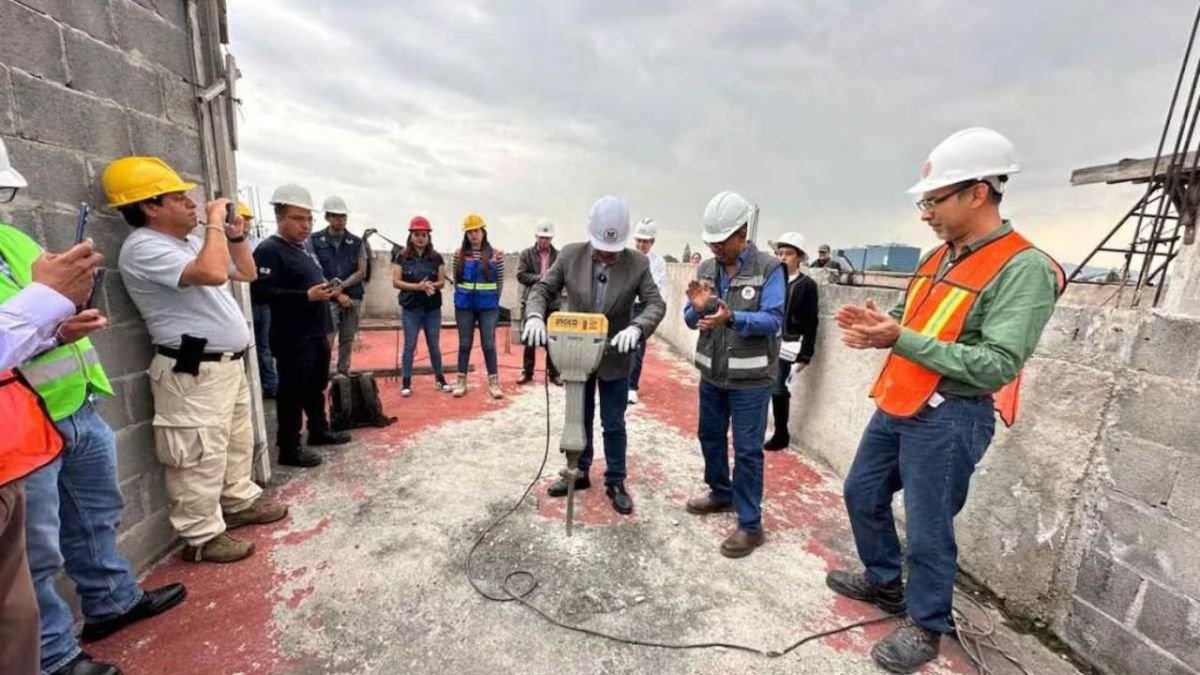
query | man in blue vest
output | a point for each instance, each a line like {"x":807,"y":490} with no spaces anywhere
{"x":343,"y":256}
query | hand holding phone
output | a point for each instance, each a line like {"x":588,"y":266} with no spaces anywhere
{"x":333,"y":283}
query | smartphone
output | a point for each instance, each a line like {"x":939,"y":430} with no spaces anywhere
{"x":230,"y":213}
{"x":333,"y":283}
{"x":97,"y":284}
{"x":81,"y":222}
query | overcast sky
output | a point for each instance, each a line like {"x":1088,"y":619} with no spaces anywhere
{"x":821,"y":111}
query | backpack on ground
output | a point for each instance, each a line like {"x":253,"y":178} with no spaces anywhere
{"x":354,"y":403}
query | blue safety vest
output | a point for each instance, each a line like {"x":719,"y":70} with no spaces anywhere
{"x":473,"y":291}
{"x":339,"y":261}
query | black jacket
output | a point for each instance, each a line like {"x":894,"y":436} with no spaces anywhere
{"x":800,"y":317}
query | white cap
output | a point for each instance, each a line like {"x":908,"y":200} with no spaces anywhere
{"x":544,"y":228}
{"x":646,"y":229}
{"x":9,"y":177}
{"x":725,"y":214}
{"x":292,"y":194}
{"x":977,"y":153}
{"x":336,"y":205}
{"x":608,"y":224}
{"x":793,"y":239}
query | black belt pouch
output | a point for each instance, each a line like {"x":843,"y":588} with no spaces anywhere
{"x":191,"y":350}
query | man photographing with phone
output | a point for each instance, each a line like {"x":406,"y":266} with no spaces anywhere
{"x":291,"y":280}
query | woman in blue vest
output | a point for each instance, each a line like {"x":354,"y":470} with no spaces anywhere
{"x":419,"y":273}
{"x":478,"y":281}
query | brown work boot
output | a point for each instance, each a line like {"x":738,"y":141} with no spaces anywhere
{"x":494,"y":387}
{"x":260,"y":513}
{"x":222,"y":549}
{"x":460,"y":386}
{"x":704,"y":505}
{"x":742,"y":543}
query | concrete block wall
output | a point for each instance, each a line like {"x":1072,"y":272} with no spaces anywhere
{"x":82,"y":83}
{"x":1085,"y":514}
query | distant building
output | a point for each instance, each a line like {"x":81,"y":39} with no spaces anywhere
{"x":883,"y":258}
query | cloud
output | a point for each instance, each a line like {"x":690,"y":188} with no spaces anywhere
{"x":820,"y":111}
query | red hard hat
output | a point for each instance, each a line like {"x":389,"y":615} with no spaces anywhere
{"x":419,"y":224}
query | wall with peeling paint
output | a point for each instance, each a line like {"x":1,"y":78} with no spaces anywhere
{"x":1085,"y":515}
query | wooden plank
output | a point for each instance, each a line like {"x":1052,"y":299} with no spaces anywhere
{"x":1126,"y":170}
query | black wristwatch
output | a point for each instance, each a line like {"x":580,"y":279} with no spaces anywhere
{"x":236,"y":240}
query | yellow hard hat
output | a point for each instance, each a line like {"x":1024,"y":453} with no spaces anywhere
{"x":473,"y":222}
{"x":244,"y":211}
{"x":130,"y":180}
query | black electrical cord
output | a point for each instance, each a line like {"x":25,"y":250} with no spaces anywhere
{"x":521,"y":597}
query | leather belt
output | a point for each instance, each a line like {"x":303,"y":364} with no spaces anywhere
{"x":206,"y":356}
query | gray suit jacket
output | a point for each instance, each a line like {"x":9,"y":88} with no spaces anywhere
{"x":628,"y":278}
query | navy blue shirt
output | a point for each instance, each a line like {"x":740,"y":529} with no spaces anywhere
{"x":285,"y":273}
{"x":339,"y":257}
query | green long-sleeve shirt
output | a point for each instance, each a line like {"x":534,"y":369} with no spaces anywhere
{"x":1001,"y":330}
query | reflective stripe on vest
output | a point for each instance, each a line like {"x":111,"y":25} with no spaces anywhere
{"x":939,"y":309}
{"x":751,"y":363}
{"x":64,"y":375}
{"x":30,"y":440}
{"x":482,"y":286}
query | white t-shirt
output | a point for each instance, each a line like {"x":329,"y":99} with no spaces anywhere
{"x":151,"y":263}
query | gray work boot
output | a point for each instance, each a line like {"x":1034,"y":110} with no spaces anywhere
{"x":889,"y":598}
{"x":907,"y":649}
{"x":221,"y":548}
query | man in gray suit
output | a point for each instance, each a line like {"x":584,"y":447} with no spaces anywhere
{"x":602,"y":277}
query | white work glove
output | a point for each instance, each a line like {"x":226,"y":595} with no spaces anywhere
{"x":627,"y":339}
{"x":796,"y":368}
{"x":534,"y":334}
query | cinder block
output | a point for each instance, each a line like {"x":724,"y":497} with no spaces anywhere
{"x":1107,"y":585}
{"x":1150,"y":542}
{"x":23,"y":218}
{"x":1168,"y":346}
{"x":54,"y":174}
{"x":1172,"y":621}
{"x":70,"y":119}
{"x":1155,"y":408}
{"x":143,"y":32}
{"x":1089,"y":336}
{"x":112,"y":408}
{"x":173,"y":11}
{"x":124,"y":349}
{"x":1140,"y":468}
{"x":1113,"y":647}
{"x":32,"y":42}
{"x":107,"y":72}
{"x":180,"y":101}
{"x":147,"y":542}
{"x":1184,"y":501}
{"x":135,"y":452}
{"x":133,"y":491}
{"x":176,"y":145}
{"x":107,"y":231}
{"x":92,"y":17}
{"x":8,"y":121}
{"x":139,"y":400}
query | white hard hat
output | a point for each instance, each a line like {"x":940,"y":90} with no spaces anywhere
{"x":292,"y":194}
{"x":725,"y":214}
{"x":793,"y":239}
{"x":544,"y":228}
{"x":335,"y":205}
{"x":9,"y":177}
{"x":646,"y":229}
{"x":977,"y":153}
{"x":608,"y":224}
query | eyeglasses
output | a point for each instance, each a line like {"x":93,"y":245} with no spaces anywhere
{"x":7,"y":194}
{"x":930,"y":204}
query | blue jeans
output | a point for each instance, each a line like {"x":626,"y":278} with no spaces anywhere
{"x":466,"y":320}
{"x":747,"y":410}
{"x":930,"y":456}
{"x":74,"y":513}
{"x":266,"y":362}
{"x":614,"y":398}
{"x":639,"y":355}
{"x":415,"y":319}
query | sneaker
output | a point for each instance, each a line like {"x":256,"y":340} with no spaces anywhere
{"x":406,"y":392}
{"x":259,"y":513}
{"x":493,"y":387}
{"x":889,"y":598}
{"x":907,"y":649}
{"x":460,"y":386}
{"x":633,"y":396}
{"x":441,"y":386}
{"x":221,"y":549}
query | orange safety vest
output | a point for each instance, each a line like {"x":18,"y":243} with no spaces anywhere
{"x":939,"y":309}
{"x":31,"y":440}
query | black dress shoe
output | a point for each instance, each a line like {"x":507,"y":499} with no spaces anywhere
{"x":301,"y":457}
{"x":85,"y":665}
{"x":622,"y":502}
{"x":559,"y":488}
{"x":525,"y":378}
{"x":152,"y":603}
{"x":328,"y":437}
